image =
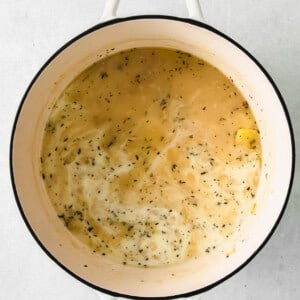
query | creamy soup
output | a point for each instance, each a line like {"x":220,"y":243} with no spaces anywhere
{"x":151,"y":157}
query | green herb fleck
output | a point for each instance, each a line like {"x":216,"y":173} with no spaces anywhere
{"x":104,"y":75}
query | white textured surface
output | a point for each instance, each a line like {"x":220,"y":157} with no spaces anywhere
{"x":30,"y":31}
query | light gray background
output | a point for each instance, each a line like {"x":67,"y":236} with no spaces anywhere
{"x":30,"y":31}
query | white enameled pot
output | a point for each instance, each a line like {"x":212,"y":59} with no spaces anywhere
{"x":152,"y":31}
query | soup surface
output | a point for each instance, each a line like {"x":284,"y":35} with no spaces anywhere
{"x":151,"y":157}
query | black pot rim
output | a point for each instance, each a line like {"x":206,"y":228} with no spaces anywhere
{"x":192,"y":22}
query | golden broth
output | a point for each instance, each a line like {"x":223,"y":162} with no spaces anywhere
{"x":151,"y":156}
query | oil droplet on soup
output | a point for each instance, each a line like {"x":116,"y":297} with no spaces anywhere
{"x":151,"y":157}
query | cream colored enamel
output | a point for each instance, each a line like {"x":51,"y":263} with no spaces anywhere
{"x":263,"y":101}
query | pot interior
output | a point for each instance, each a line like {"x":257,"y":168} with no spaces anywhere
{"x":154,"y":32}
